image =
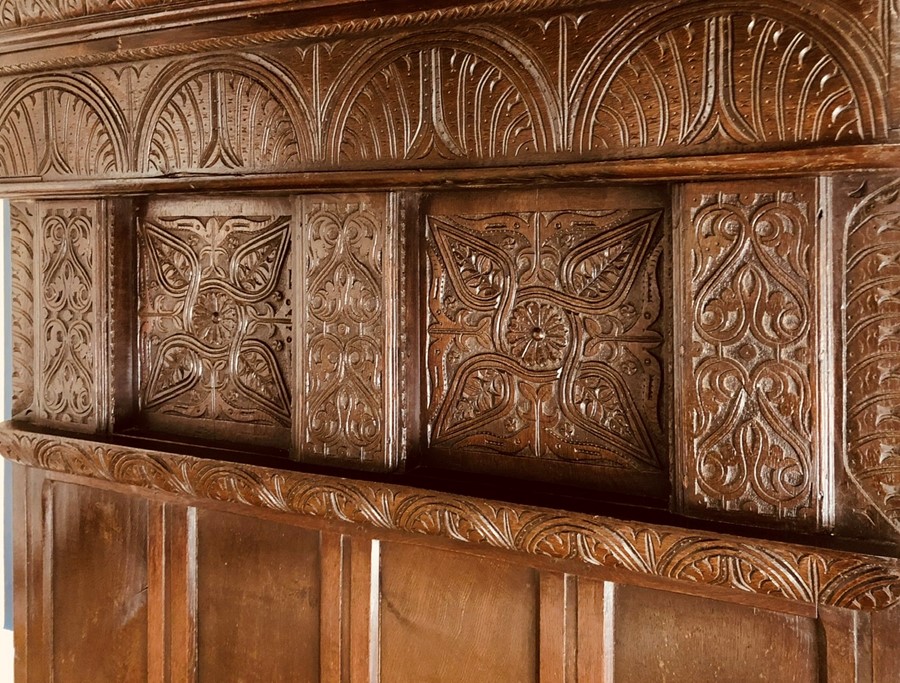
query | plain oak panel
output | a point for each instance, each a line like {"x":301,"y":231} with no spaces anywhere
{"x":258,"y":600}
{"x":98,"y":574}
{"x":448,"y":616}
{"x":670,"y":638}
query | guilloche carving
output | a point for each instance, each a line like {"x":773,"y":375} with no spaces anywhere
{"x":542,"y":339}
{"x":215,"y":317}
{"x":751,"y":369}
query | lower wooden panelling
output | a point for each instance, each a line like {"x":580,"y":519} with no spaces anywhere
{"x":117,"y":586}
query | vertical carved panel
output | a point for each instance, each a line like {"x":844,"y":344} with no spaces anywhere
{"x":22,"y":215}
{"x":70,"y":384}
{"x":348,"y":374}
{"x":215,"y":315}
{"x":544,"y":340}
{"x":872,"y":329}
{"x":750,"y":351}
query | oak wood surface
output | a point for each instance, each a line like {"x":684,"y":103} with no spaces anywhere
{"x":541,"y":340}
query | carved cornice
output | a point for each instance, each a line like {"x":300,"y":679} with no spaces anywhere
{"x":387,"y":92}
{"x":798,"y":573}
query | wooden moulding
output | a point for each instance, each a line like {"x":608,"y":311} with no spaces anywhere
{"x":801,"y":574}
{"x":784,"y":163}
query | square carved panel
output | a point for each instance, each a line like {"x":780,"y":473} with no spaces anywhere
{"x":215,"y":316}
{"x":546,"y":336}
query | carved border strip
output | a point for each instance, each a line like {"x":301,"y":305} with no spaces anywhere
{"x":339,"y":29}
{"x":797,"y":573}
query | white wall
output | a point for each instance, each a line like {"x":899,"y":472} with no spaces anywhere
{"x":6,"y":635}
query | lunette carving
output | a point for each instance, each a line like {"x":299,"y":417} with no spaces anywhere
{"x":220,"y":114}
{"x":598,"y":89}
{"x":798,"y":573}
{"x":751,"y":372}
{"x":65,"y":125}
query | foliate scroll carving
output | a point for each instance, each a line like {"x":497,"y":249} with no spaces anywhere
{"x":872,"y":329}
{"x":216,"y":314}
{"x":751,"y":363}
{"x":797,"y":573}
{"x":22,"y":217}
{"x":543,"y":339}
{"x":350,"y":264}
{"x":71,"y":310}
{"x":61,"y":126}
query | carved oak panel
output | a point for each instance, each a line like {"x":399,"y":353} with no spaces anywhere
{"x":349,"y":264}
{"x":750,"y":362}
{"x":69,"y":312}
{"x":21,"y":224}
{"x":871,"y":228}
{"x":215,"y":315}
{"x":545,"y":336}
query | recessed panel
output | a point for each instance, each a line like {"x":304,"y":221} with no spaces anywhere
{"x":448,"y":616}
{"x":215,"y":317}
{"x":668,"y":637}
{"x":257,"y":600}
{"x":97,"y":550}
{"x":546,"y":341}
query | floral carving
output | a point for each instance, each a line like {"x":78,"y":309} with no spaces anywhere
{"x":349,"y":370}
{"x":538,"y":334}
{"x":541,"y":337}
{"x":797,"y":573}
{"x":752,"y":368}
{"x":215,"y":317}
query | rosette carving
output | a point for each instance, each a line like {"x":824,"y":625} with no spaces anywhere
{"x":215,"y":318}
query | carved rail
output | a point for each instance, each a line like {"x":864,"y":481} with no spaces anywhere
{"x":797,"y":573}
